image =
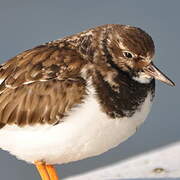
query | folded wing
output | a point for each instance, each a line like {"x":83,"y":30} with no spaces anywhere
{"x":40,"y":86}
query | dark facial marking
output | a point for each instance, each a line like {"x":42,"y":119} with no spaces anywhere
{"x":126,"y":100}
{"x":111,"y":62}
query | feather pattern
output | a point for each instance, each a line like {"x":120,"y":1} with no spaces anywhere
{"x":40,"y":86}
{"x":75,"y":97}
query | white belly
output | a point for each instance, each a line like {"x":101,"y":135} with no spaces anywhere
{"x":84,"y":133}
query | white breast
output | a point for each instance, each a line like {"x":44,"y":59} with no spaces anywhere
{"x":86,"y":132}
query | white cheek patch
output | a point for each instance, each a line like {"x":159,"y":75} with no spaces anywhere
{"x":1,"y":80}
{"x":143,"y":78}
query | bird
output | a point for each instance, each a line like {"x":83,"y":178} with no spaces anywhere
{"x":78,"y":96}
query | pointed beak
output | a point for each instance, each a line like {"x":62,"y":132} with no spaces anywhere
{"x":154,"y":72}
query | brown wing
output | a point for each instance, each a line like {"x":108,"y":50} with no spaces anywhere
{"x":40,"y":86}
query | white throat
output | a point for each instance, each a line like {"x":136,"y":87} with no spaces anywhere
{"x":142,"y":78}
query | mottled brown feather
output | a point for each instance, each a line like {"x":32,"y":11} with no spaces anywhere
{"x":40,"y":86}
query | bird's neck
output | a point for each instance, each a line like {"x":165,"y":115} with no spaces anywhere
{"x":124,"y":98}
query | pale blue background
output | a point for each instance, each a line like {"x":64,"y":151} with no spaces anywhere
{"x":24,"y":24}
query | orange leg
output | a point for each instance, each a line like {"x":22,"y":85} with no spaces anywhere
{"x":47,"y":172}
{"x":52,"y":172}
{"x":41,"y":167}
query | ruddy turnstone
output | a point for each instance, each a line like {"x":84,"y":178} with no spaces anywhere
{"x":77,"y":97}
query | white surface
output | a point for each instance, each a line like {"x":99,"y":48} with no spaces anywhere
{"x":142,"y":166}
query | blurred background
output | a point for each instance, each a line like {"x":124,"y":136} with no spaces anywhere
{"x":25,"y":23}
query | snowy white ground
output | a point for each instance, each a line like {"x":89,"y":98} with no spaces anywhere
{"x":161,"y":163}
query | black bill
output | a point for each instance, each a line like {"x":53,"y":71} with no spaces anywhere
{"x":154,"y":72}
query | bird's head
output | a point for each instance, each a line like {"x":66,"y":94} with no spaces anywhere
{"x":131,"y":50}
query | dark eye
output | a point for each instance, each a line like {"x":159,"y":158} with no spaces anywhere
{"x":127,"y":55}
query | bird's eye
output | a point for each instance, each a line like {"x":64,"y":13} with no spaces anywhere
{"x":128,"y":55}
